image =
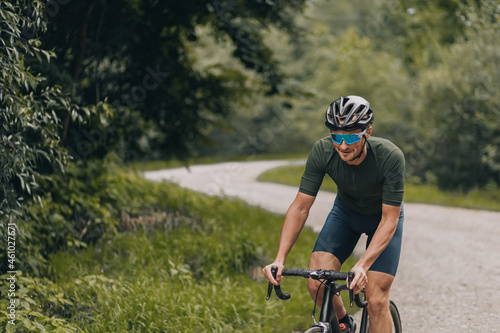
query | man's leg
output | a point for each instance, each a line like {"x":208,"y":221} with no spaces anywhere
{"x":324,"y":260}
{"x":377,"y":295}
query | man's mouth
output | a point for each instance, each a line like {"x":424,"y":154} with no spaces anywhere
{"x":346,"y":152}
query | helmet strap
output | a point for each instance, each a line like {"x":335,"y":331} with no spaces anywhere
{"x":361,"y":152}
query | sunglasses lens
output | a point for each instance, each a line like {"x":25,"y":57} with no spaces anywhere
{"x":348,"y":138}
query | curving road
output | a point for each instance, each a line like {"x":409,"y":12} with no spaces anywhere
{"x":449,"y":275}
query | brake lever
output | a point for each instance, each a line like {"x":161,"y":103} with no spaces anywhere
{"x":350,"y":278}
{"x":277,"y":289}
{"x":269,"y":291}
{"x":274,"y":271}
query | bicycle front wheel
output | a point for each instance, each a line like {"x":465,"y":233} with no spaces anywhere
{"x":396,"y":320}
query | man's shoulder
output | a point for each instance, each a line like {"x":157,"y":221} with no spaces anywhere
{"x":323,"y":145}
{"x":381,"y":143}
{"x":383,"y":147}
{"x":322,"y":151}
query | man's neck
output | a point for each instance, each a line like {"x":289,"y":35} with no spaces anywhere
{"x":361,"y":157}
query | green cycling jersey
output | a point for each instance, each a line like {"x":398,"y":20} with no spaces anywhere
{"x":364,"y":187}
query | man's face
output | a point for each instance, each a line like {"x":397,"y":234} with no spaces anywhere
{"x":348,"y":151}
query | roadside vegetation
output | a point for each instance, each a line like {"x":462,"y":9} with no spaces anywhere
{"x":154,"y":258}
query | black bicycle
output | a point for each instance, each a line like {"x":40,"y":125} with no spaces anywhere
{"x":328,"y":322}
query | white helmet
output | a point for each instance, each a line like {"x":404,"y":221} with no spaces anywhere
{"x":349,"y":113}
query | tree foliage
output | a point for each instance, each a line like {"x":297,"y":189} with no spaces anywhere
{"x":462,"y":106}
{"x":428,"y":68}
{"x":29,"y":125}
{"x":118,"y":77}
{"x":135,"y":54}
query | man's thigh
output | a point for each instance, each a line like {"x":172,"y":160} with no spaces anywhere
{"x":324,"y":260}
{"x":337,"y":237}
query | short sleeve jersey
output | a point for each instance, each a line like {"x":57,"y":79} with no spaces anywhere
{"x":365,"y":187}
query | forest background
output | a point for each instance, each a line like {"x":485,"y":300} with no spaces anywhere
{"x":87,"y":86}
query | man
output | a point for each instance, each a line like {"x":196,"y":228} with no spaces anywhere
{"x":369,"y":173}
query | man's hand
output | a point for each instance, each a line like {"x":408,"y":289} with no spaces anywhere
{"x":269,"y":276}
{"x":360,"y":279}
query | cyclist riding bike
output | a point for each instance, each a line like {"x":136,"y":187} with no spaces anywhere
{"x":369,"y":173}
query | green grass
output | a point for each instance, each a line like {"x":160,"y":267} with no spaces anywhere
{"x":182,"y":262}
{"x":488,"y":198}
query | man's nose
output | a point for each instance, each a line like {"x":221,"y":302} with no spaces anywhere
{"x":344,"y":145}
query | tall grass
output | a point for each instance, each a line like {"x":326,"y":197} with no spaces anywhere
{"x":181,"y":262}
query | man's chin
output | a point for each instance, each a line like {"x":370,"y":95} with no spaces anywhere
{"x":345,"y":157}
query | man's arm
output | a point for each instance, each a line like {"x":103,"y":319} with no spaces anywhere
{"x":295,"y":219}
{"x":380,"y":240}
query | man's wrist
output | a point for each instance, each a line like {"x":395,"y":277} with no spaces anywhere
{"x":280,"y":257}
{"x":279,"y":262}
{"x":363,"y":265}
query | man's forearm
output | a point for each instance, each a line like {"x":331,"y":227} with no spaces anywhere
{"x":382,"y":237}
{"x":379,"y":242}
{"x":292,"y":226}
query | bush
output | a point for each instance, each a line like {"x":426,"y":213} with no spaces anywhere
{"x":182,"y":261}
{"x":40,"y":306}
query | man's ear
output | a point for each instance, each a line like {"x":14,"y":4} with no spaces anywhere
{"x":368,"y":132}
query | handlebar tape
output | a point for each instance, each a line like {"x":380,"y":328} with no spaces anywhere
{"x":296,"y":272}
{"x":320,"y":274}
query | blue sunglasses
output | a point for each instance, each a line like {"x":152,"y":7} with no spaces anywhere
{"x":348,"y":138}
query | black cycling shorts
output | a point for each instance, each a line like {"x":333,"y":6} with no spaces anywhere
{"x":342,"y":230}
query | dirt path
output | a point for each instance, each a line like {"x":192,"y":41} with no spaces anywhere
{"x":449,"y":273}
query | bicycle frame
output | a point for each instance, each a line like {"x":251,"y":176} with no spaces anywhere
{"x":328,"y":317}
{"x":328,"y":313}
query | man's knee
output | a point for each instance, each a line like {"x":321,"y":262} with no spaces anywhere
{"x":377,"y":304}
{"x":377,"y":292}
{"x":313,"y":286}
{"x":320,"y":260}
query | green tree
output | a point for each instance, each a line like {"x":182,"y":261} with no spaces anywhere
{"x":460,"y":116}
{"x":414,"y":30}
{"x":136,"y":55}
{"x":429,"y":69}
{"x":30,"y":149}
{"x":29,"y":125}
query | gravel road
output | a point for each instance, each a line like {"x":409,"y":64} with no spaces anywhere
{"x":450,"y":264}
